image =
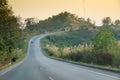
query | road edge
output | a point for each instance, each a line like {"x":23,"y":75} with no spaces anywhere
{"x":78,"y":63}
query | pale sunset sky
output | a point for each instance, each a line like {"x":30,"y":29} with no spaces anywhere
{"x":42,"y":9}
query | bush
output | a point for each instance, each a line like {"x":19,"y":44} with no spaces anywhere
{"x":103,"y":58}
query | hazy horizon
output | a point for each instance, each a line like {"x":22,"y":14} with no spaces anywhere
{"x":42,"y":9}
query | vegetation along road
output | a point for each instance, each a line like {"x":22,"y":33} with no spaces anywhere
{"x":36,"y":66}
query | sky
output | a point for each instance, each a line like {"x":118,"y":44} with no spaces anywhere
{"x":42,"y":9}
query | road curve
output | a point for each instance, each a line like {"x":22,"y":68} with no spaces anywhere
{"x":36,"y":66}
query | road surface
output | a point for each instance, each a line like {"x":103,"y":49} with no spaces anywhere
{"x":36,"y":66}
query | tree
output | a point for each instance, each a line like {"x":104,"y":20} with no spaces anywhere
{"x":9,"y":27}
{"x":117,"y":22}
{"x":89,"y":20}
{"x":2,"y":44}
{"x":103,"y":45}
{"x":107,"y":21}
{"x":9,"y":31}
{"x":30,"y":21}
{"x":104,"y":40}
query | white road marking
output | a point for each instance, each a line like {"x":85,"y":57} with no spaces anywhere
{"x":50,"y":78}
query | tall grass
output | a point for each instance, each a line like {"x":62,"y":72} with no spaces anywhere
{"x":83,"y":53}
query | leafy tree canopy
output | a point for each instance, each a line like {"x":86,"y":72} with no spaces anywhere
{"x":104,"y":41}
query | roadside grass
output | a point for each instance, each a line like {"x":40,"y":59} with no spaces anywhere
{"x":107,"y":68}
{"x":102,"y":67}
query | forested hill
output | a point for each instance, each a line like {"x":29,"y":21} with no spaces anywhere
{"x":89,"y":44}
{"x":64,"y":21}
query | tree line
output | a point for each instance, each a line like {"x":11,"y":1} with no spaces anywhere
{"x":64,"y":21}
{"x":11,"y":39}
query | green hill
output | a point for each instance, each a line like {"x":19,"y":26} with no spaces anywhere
{"x":62,"y":22}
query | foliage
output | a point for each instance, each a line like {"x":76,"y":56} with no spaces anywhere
{"x":10,"y":33}
{"x":76,"y":53}
{"x":2,"y":44}
{"x":104,"y":41}
{"x":99,"y":46}
{"x":117,"y":22}
{"x":107,"y":21}
{"x":64,"y":21}
{"x":74,"y":38}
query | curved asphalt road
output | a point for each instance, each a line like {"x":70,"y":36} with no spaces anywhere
{"x":38,"y":67}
